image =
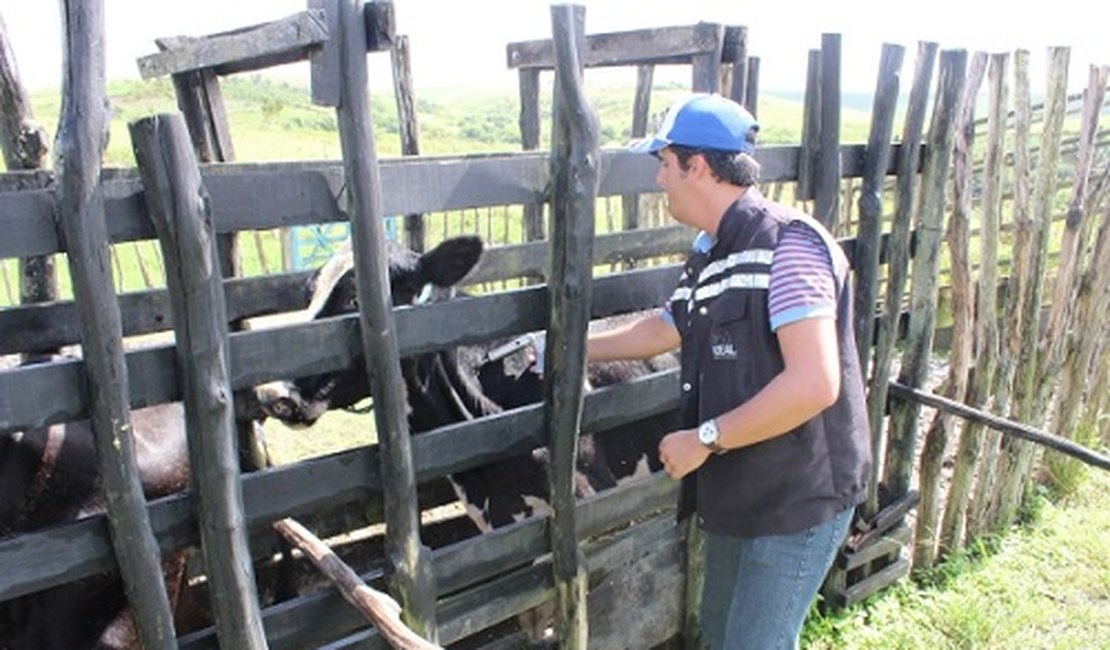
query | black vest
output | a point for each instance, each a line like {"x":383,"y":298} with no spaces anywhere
{"x":796,"y":480}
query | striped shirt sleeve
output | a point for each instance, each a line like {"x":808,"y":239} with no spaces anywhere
{"x":802,"y":282}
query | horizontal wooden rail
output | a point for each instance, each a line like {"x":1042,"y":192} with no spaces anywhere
{"x":273,"y":195}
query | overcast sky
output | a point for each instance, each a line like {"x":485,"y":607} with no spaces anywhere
{"x":456,"y":42}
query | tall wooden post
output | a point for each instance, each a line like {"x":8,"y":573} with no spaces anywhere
{"x":574,"y":195}
{"x":413,"y":582}
{"x":826,"y":174}
{"x":405,"y":93}
{"x":177,"y":204}
{"x":82,"y":136}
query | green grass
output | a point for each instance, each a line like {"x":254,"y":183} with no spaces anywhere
{"x":1044,"y":585}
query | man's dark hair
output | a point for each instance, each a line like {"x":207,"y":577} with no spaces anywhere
{"x":731,"y":167}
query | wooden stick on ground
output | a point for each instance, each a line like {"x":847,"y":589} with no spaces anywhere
{"x":380,"y":608}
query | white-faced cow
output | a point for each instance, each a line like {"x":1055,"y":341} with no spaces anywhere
{"x":460,"y":384}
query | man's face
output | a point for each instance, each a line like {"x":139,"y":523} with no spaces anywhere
{"x":675,"y":182}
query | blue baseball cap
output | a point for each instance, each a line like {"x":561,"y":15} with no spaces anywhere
{"x":704,"y":121}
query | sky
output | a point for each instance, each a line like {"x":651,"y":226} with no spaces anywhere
{"x":462,"y":42}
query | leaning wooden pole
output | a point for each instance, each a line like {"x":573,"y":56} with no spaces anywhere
{"x":1069,"y":268}
{"x":177,"y":204}
{"x":909,"y":156}
{"x":923,"y":294}
{"x":413,"y":582}
{"x":82,"y":136}
{"x":869,"y":237}
{"x":574,"y":183}
{"x":957,"y":236}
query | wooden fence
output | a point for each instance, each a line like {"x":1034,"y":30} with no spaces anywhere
{"x":458,"y":589}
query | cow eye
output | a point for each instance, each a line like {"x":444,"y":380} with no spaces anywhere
{"x":352,"y":302}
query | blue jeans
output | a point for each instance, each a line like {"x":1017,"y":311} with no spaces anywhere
{"x":758,"y":591}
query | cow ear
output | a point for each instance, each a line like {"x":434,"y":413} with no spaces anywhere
{"x":448,"y":263}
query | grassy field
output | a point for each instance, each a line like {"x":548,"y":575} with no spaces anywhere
{"x":1045,"y":584}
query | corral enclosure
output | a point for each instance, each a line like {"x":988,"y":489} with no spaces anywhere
{"x":464,"y":586}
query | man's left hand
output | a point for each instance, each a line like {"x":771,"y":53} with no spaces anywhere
{"x":681,"y":452}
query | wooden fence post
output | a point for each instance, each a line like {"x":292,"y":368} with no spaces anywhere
{"x":826,"y":175}
{"x":530,"y":141}
{"x":178,"y":205}
{"x":870,"y":233}
{"x":412,"y":580}
{"x":957,"y":235}
{"x":23,"y":143}
{"x":574,"y":181}
{"x":956,"y":525}
{"x":1091,"y":301}
{"x":82,"y":136}
{"x":408,"y":126}
{"x":898,"y":255}
{"x":922,"y":309}
{"x":1019,"y":453}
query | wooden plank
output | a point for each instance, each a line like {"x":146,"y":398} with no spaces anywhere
{"x":662,"y":45}
{"x":52,"y":325}
{"x":890,"y":543}
{"x":884,"y":578}
{"x":293,"y":35}
{"x":901,"y":449}
{"x":171,"y":181}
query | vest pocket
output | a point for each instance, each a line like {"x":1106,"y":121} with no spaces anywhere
{"x":726,"y":364}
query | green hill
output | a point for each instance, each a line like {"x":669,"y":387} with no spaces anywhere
{"x":274,"y":120}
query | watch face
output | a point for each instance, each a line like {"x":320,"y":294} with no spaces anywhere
{"x":707,"y":432}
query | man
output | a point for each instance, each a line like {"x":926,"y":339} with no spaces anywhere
{"x":777,"y":451}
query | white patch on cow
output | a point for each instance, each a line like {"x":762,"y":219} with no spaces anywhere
{"x":642,"y":470}
{"x":538,"y":506}
{"x":329,"y":275}
{"x":480,"y":516}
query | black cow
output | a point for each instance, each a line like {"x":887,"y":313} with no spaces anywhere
{"x":460,"y":384}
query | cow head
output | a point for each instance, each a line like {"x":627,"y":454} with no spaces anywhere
{"x":413,"y":278}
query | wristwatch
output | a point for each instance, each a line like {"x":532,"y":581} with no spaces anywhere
{"x":708,"y":434}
